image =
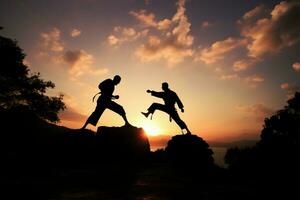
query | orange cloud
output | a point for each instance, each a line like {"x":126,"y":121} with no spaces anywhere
{"x":244,"y":64}
{"x":170,"y":41}
{"x":296,"y":66}
{"x":144,"y":18}
{"x":206,"y":24}
{"x":218,"y":50}
{"x":258,"y":111}
{"x":229,"y":77}
{"x":173,"y":44}
{"x":156,"y":49}
{"x":253,"y":80}
{"x":113,"y":40}
{"x":263,"y":32}
{"x":125,"y":34}
{"x":290,"y":89}
{"x":253,"y":14}
{"x":80,"y":62}
{"x":51,"y":40}
{"x":284,"y":86}
{"x":270,"y":35}
{"x":75,"y":33}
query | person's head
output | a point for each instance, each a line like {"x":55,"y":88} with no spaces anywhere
{"x":165,"y":86}
{"x":116,"y":79}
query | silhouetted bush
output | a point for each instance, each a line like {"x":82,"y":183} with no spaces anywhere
{"x":189,"y":150}
{"x":159,"y":156}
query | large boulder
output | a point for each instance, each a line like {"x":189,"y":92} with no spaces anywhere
{"x":125,"y":143}
{"x":189,"y":150}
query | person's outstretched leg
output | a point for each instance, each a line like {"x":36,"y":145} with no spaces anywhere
{"x":120,"y":110}
{"x":95,"y":116}
{"x":85,"y":124}
{"x":180,"y":123}
{"x":126,"y":120}
{"x":188,"y":131}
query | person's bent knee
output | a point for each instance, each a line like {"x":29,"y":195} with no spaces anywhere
{"x":153,"y":107}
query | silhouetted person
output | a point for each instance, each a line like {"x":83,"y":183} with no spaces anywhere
{"x":170,"y":98}
{"x":107,"y":88}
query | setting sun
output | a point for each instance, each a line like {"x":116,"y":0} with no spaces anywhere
{"x":151,"y":129}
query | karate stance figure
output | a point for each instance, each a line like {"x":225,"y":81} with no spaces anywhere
{"x":170,"y":98}
{"x":107,"y":88}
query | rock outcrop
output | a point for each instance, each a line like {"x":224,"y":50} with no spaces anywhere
{"x":122,"y":143}
{"x":189,"y":150}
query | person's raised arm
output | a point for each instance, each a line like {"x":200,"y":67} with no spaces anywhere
{"x":155,"y":94}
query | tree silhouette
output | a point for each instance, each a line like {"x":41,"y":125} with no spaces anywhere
{"x":274,"y":160}
{"x":283,"y":128}
{"x":19,"y":88}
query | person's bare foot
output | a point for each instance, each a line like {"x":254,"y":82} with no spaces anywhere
{"x":127,"y":124}
{"x":145,"y":114}
{"x":188,"y":132}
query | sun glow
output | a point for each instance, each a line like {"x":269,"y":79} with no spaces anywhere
{"x":151,"y":129}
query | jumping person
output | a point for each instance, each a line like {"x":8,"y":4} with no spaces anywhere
{"x":170,"y":98}
{"x":104,"y":101}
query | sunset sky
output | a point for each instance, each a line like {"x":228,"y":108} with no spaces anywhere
{"x":231,"y":62}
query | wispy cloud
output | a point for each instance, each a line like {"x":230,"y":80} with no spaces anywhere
{"x":262,"y":31}
{"x":271,"y":34}
{"x":206,"y":24}
{"x":254,"y":14}
{"x":75,"y":32}
{"x":230,"y":77}
{"x":290,"y":89}
{"x":125,"y":34}
{"x":244,"y":64}
{"x":296,"y":66}
{"x":284,"y":86}
{"x":254,"y":80}
{"x":174,"y":41}
{"x":218,"y":50}
{"x":80,"y":62}
{"x":258,"y":111}
{"x":149,"y":20}
{"x":51,"y":40}
{"x":166,"y":39}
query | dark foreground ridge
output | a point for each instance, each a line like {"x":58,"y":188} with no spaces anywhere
{"x":39,"y":145}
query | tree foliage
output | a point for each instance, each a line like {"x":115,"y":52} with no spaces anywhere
{"x":278,"y":150}
{"x":284,"y":126}
{"x":18,"y":87}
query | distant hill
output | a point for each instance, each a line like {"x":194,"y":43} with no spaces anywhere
{"x":237,"y":143}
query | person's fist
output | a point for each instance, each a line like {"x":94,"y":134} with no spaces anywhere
{"x":148,"y":91}
{"x":182,"y":110}
{"x":117,"y":97}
